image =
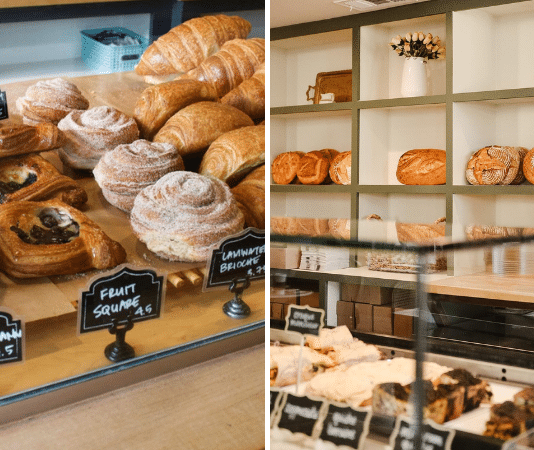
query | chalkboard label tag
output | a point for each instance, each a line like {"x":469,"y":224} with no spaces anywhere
{"x":299,"y":414}
{"x":237,"y":257}
{"x":116,"y":298}
{"x":12,"y":337}
{"x":304,"y":320}
{"x":276,"y":397}
{"x":3,"y":106}
{"x":346,"y":426}
{"x":434,"y":436}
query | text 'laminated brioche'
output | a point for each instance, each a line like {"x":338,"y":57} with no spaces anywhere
{"x":159,"y":103}
{"x":192,"y":129}
{"x":235,"y":62}
{"x":31,"y":177}
{"x":48,"y":238}
{"x":185,"y":46}
{"x":232,"y":155}
{"x":249,"y":96}
{"x":16,"y":139}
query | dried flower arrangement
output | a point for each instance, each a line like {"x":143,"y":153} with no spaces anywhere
{"x":418,"y":44}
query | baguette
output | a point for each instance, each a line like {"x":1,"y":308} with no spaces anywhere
{"x":249,"y":96}
{"x":236,"y":61}
{"x":185,"y":46}
{"x":159,"y":103}
{"x":192,"y":129}
{"x":232,"y":155}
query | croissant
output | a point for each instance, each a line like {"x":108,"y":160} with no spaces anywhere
{"x":249,"y":96}
{"x":159,"y":103}
{"x":232,"y":155}
{"x":20,"y":139}
{"x":31,"y":177}
{"x":236,"y":61}
{"x":39,"y":239}
{"x":192,"y":129}
{"x":250,"y":197}
{"x":184,"y":47}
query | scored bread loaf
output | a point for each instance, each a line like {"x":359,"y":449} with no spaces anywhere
{"x":236,"y":61}
{"x":422,"y":167}
{"x":284,"y":167}
{"x":193,"y":128}
{"x":520,"y":177}
{"x":315,"y":165}
{"x":340,"y":168}
{"x":249,"y":96}
{"x":493,"y":165}
{"x":232,"y":155}
{"x":185,"y":46}
{"x":528,"y":166}
{"x":159,"y":103}
{"x":250,"y":197}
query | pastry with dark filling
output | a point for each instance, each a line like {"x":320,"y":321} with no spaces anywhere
{"x":31,"y":177}
{"x":508,"y":420}
{"x":48,"y":238}
{"x":477,"y":391}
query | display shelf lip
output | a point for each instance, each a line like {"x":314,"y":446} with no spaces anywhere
{"x":308,"y":109}
{"x":401,"y":189}
{"x":498,"y":94}
{"x":311,"y":188}
{"x":115,"y":370}
{"x":401,"y":101}
{"x":518,"y":189}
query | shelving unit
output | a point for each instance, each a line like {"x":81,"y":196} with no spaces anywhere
{"x":481,"y":94}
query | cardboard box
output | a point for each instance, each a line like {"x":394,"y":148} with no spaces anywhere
{"x":403,"y":323}
{"x":361,"y":293}
{"x":309,"y":298}
{"x":363,"y":317}
{"x":277,"y":311}
{"x":382,"y":319}
{"x":345,"y":314}
{"x":285,"y":257}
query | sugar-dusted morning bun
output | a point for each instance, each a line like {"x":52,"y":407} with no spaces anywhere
{"x":127,"y":169}
{"x":89,"y":134}
{"x":50,"y":101}
{"x":422,"y":167}
{"x":183,"y":214}
{"x":284,"y":167}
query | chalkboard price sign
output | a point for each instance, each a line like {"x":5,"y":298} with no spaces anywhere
{"x":3,"y":106}
{"x":299,"y":414}
{"x":434,"y":437}
{"x":11,"y":338}
{"x":124,"y":296}
{"x":345,"y":426}
{"x":304,"y":320}
{"x":237,"y":257}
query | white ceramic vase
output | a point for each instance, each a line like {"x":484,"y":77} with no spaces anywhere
{"x":414,"y":77}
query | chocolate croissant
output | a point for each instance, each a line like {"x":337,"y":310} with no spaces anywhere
{"x":31,"y":177}
{"x":39,"y":239}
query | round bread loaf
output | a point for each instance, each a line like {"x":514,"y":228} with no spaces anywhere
{"x":127,"y":169}
{"x":89,"y":134}
{"x":340,"y":168}
{"x":183,"y":214}
{"x":520,"y":177}
{"x":528,"y":166}
{"x":422,"y":167}
{"x":339,"y":228}
{"x":493,"y":165}
{"x":313,"y":167}
{"x":284,"y":167}
{"x":50,"y":101}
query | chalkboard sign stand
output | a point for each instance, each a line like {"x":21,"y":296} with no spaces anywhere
{"x":237,"y":308}
{"x":120,"y":350}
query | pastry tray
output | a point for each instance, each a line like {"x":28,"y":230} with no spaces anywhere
{"x":338,"y":83}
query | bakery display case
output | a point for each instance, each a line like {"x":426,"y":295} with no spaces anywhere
{"x":61,"y":364}
{"x":417,"y":305}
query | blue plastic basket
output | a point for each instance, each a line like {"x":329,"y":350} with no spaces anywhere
{"x":108,"y":59}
